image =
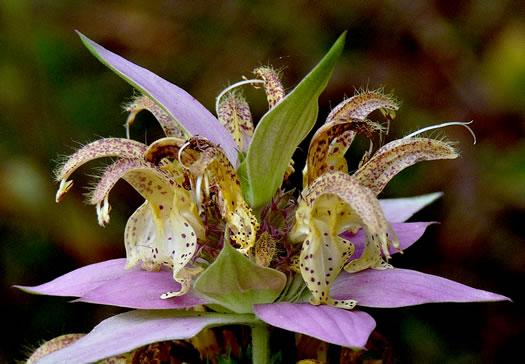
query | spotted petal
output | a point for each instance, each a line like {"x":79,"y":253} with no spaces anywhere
{"x":272,"y":85}
{"x":168,"y":125}
{"x":332,"y":204}
{"x":331,"y":142}
{"x":110,"y":147}
{"x":163,"y":231}
{"x":191,"y":115}
{"x":206,"y":162}
{"x":151,"y":182}
{"x":397,"y":155}
{"x":234,"y":114}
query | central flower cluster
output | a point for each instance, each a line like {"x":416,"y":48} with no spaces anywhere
{"x":218,"y":229}
{"x":193,"y":193}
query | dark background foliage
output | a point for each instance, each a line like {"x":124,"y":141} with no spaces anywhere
{"x":462,"y":60}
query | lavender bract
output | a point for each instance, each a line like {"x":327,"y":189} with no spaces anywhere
{"x":220,"y":231}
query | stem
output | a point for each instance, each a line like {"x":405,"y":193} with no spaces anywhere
{"x":260,"y":344}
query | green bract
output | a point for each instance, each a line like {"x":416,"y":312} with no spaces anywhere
{"x":282,"y":129}
{"x":236,"y":283}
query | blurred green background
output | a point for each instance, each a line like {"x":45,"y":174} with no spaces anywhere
{"x":445,"y":60}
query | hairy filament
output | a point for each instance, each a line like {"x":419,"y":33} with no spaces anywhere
{"x":237,"y":84}
{"x":442,"y":125}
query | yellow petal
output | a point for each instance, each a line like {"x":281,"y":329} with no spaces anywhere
{"x":330,"y":205}
{"x":234,"y":113}
{"x":272,"y":85}
{"x":329,"y":145}
{"x":205,"y":160}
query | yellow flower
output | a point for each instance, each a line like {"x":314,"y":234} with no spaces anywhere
{"x":177,"y":178}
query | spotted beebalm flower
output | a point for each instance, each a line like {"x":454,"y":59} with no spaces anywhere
{"x":217,"y":230}
{"x":334,"y":202}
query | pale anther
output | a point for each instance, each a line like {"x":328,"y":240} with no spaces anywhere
{"x":179,"y":155}
{"x":229,"y":88}
{"x":442,"y":125}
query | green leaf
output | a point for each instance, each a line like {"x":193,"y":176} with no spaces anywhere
{"x":282,"y":129}
{"x":236,"y":283}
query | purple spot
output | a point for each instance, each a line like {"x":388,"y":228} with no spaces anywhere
{"x":161,"y":207}
{"x":183,"y":236}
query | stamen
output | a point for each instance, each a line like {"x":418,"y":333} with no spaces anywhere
{"x":198,"y":190}
{"x":62,"y":189}
{"x":129,"y":121}
{"x":240,"y":83}
{"x":207,"y":184}
{"x":442,"y":125}
{"x":103,"y":212}
{"x":179,"y":155}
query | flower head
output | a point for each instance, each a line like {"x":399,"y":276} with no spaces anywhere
{"x":217,"y":229}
